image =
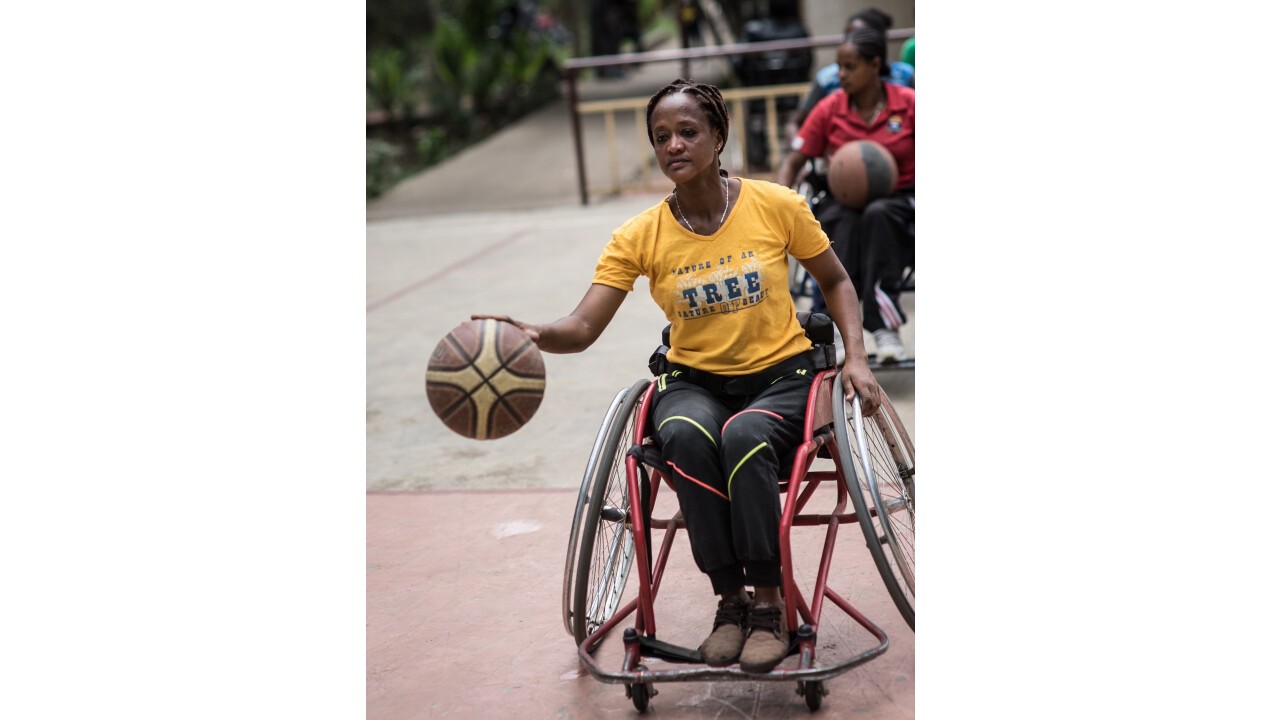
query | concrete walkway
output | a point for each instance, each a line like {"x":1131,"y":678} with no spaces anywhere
{"x":466,"y":539}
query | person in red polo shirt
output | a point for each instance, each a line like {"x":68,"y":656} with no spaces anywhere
{"x":875,"y":243}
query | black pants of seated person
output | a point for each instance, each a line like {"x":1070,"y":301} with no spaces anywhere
{"x":875,"y":245}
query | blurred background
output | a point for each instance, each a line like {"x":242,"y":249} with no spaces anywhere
{"x":443,"y":75}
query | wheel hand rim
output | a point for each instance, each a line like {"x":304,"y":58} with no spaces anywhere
{"x":905,"y":565}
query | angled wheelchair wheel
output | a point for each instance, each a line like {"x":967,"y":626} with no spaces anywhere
{"x":878,"y":462}
{"x":606,"y":543}
{"x":580,"y":511}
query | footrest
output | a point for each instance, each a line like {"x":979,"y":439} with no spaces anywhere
{"x":655,"y":648}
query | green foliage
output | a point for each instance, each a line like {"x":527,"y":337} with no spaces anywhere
{"x":392,"y":82}
{"x":479,"y":76}
{"x":433,"y":146}
{"x":397,"y":22}
{"x":381,"y":166}
{"x":453,"y":65}
{"x":648,"y":11}
{"x":473,"y":71}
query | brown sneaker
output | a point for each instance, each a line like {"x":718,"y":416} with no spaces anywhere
{"x":725,"y":641}
{"x":767,"y":642}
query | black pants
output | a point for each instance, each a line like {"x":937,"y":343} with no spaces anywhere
{"x":721,"y":448}
{"x":875,"y":245}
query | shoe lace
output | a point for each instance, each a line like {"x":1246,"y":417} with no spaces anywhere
{"x":730,"y":612}
{"x":766,"y":617}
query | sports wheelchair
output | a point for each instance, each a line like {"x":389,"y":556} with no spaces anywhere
{"x":814,"y":188}
{"x":613,"y":523}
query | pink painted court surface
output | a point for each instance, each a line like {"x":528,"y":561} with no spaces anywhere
{"x":466,"y":540}
{"x":463,"y":620}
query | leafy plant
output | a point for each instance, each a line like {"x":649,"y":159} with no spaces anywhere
{"x":496,"y":75}
{"x":454,"y":60}
{"x":381,"y":166}
{"x":432,"y":146}
{"x":481,"y":65}
{"x":392,"y":81}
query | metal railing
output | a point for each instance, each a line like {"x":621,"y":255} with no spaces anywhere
{"x":737,"y":98}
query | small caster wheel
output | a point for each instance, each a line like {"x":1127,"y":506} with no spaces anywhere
{"x":640,"y":692}
{"x":813,"y":693}
{"x":640,"y":697}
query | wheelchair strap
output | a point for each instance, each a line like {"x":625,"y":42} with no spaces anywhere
{"x":806,"y":363}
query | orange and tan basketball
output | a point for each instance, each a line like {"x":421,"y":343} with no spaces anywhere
{"x":485,"y":379}
{"x":860,"y":172}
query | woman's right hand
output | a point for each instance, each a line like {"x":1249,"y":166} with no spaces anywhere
{"x":531,"y":330}
{"x":576,"y":331}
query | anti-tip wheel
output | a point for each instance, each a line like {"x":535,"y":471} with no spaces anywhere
{"x":641,"y":692}
{"x":813,"y":693}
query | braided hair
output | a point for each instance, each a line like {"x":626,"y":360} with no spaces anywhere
{"x":870,"y":44}
{"x":708,"y":97}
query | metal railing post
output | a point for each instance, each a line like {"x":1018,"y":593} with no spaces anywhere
{"x":571,"y":76}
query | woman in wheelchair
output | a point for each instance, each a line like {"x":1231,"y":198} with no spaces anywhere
{"x":876,"y":243}
{"x":732,"y":400}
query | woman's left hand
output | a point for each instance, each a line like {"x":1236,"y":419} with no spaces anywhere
{"x":857,"y":377}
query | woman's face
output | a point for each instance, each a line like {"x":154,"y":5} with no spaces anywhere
{"x":856,"y":73}
{"x":684,"y":142}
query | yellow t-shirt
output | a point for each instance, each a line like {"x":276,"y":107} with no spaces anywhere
{"x":726,"y":295}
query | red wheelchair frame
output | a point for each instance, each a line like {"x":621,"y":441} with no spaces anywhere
{"x":824,"y":438}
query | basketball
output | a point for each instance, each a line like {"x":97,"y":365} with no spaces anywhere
{"x":485,"y":379}
{"x":861,"y":171}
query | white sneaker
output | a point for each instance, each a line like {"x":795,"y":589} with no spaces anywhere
{"x":889,"y":347}
{"x":839,"y":346}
